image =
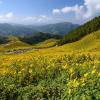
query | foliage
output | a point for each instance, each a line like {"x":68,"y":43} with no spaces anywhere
{"x":65,"y":77}
{"x":68,"y":72}
{"x":26,"y":30}
{"x":81,"y":31}
{"x":39,"y":37}
{"x":3,"y":40}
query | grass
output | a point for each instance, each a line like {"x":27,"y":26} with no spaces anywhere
{"x":68,"y":72}
{"x":15,"y":44}
{"x":46,"y":44}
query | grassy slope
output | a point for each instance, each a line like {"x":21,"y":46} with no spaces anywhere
{"x":46,"y":43}
{"x":13,"y":43}
{"x":90,"y":43}
{"x":77,"y":34}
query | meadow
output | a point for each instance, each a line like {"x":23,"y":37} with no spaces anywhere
{"x":68,"y":72}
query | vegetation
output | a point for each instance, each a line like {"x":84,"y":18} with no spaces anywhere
{"x":58,"y":28}
{"x":49,"y":72}
{"x":3,"y":40}
{"x":26,"y":30}
{"x":81,"y":31}
{"x":60,"y":77}
{"x":39,"y":37}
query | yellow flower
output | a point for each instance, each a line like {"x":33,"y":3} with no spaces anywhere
{"x":71,"y":70}
{"x":83,"y":84}
{"x":99,"y":74}
{"x":73,"y":83}
{"x":64,"y":67}
{"x":94,"y":67}
{"x":31,"y":65}
{"x":93,"y":72}
{"x":30,"y":70}
{"x":86,"y":74}
{"x":76,"y":83}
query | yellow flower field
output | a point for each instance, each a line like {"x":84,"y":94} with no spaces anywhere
{"x":72,"y":72}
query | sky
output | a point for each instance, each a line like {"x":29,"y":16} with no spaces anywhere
{"x":48,"y":11}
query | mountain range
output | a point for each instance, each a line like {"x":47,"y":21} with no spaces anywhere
{"x":83,"y":36}
{"x":24,"y":30}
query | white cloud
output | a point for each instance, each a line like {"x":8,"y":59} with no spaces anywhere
{"x":37,"y":19}
{"x":6,"y":16}
{"x":9,"y":15}
{"x":88,"y":9}
{"x":92,"y":6}
{"x":67,"y":9}
{"x":56,"y":11}
{"x":29,"y":18}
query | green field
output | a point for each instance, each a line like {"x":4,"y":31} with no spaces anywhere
{"x":49,"y":72}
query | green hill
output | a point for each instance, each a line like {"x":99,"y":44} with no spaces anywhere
{"x":81,"y":31}
{"x":90,"y":42}
{"x":46,"y":44}
{"x":16,"y":44}
{"x":39,"y":37}
{"x":13,"y":43}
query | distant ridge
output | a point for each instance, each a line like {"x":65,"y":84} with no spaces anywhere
{"x":81,"y":31}
{"x":26,"y":30}
{"x":39,"y":37}
{"x":57,"y":28}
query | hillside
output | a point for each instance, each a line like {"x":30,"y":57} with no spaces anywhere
{"x":48,"y":69}
{"x":16,"y":30}
{"x":39,"y":37}
{"x":13,"y":43}
{"x":46,"y":44}
{"x":82,"y":31}
{"x":90,"y":42}
{"x":71,"y":68}
{"x":26,"y":30}
{"x":57,"y":28}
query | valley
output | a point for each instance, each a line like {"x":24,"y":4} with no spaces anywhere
{"x":52,"y":67}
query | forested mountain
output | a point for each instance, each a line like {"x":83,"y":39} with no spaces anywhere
{"x":39,"y":37}
{"x":26,"y":30}
{"x":33,"y":34}
{"x":81,"y":31}
{"x":17,"y":30}
{"x":58,"y":28}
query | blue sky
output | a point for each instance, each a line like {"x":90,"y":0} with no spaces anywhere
{"x":48,"y":11}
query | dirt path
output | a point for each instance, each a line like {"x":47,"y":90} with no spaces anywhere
{"x":18,"y":51}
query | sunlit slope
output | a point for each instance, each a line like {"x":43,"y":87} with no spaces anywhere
{"x":83,"y":30}
{"x":14,"y":43}
{"x":46,"y":44}
{"x":90,"y":42}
